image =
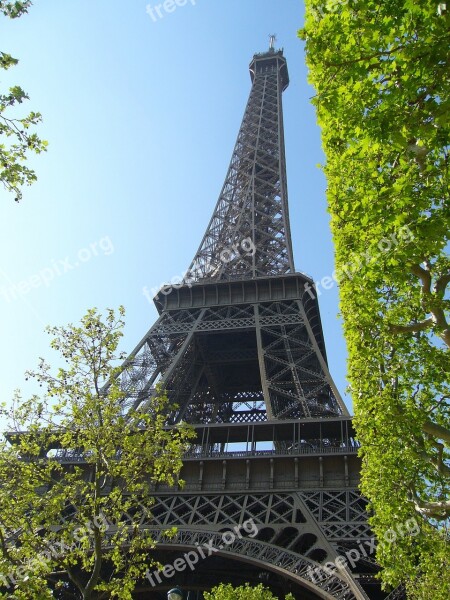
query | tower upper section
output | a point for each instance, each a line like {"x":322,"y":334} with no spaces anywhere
{"x":249,"y":233}
{"x":268,"y":61}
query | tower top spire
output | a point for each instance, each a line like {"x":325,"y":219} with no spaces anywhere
{"x":273,"y":39}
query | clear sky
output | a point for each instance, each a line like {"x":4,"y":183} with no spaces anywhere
{"x":141,"y":112}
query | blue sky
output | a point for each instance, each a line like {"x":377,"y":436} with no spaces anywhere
{"x":141,"y":113}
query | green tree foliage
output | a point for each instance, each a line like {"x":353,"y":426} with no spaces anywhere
{"x":76,"y":528}
{"x":16,"y":138}
{"x":380,"y":70}
{"x":244,"y":592}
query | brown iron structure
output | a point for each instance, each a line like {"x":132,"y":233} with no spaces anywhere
{"x":239,"y":348}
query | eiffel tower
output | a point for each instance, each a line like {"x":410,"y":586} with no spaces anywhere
{"x":271,"y":482}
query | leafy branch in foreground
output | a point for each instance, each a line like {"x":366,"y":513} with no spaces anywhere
{"x":243,"y":592}
{"x":77,"y":474}
{"x":380,"y":70}
{"x":16,"y":139}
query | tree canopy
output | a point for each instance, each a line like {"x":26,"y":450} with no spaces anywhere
{"x":380,"y":70}
{"x":16,"y":137}
{"x":243,"y":592}
{"x":77,"y":474}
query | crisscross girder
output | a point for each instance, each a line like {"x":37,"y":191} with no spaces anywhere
{"x":249,"y":233}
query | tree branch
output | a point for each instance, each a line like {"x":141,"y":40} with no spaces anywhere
{"x":362,"y":58}
{"x":434,"y":307}
{"x":434,"y":510}
{"x":424,"y":276}
{"x":97,"y":564}
{"x":97,"y":546}
{"x":412,"y":327}
{"x":437,"y":431}
{"x":441,"y":284}
{"x":74,"y":579}
{"x":4,"y":549}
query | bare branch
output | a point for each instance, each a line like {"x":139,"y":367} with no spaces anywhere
{"x":437,"y":431}
{"x":434,"y":510}
{"x":441,"y":284}
{"x":97,"y":564}
{"x":424,"y":276}
{"x":74,"y":578}
{"x":434,"y":306}
{"x":412,"y":328}
{"x":378,"y":54}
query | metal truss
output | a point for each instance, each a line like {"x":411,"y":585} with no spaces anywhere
{"x":232,"y":364}
{"x":398,"y":594}
{"x":273,"y":512}
{"x":249,"y":235}
{"x":341,"y":514}
{"x":331,"y":585}
{"x":285,"y":538}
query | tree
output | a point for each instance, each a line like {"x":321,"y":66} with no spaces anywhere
{"x":380,"y":70}
{"x":16,"y":140}
{"x":243,"y":592}
{"x":77,"y":474}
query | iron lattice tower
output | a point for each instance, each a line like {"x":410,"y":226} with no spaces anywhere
{"x":239,"y":348}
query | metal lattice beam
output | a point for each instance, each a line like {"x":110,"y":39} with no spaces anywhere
{"x":249,"y":234}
